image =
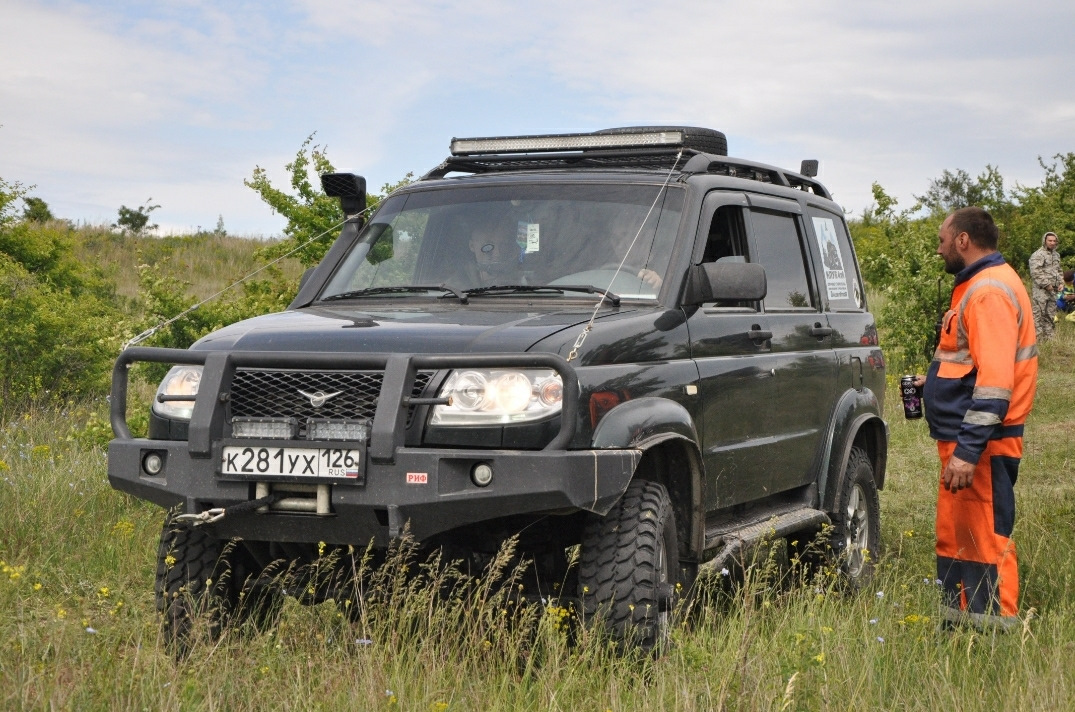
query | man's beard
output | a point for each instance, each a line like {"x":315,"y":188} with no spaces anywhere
{"x":954,"y":265}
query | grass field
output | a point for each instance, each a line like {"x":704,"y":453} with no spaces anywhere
{"x":78,"y":628}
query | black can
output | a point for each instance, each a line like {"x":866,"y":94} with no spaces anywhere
{"x":912,"y":398}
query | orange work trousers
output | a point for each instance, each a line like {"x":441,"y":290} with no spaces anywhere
{"x":976,"y":563}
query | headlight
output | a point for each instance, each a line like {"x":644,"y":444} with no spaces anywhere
{"x":488,"y":397}
{"x":180,"y":381}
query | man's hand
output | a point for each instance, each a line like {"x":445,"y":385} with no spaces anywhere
{"x":650,"y":277}
{"x":958,"y":475}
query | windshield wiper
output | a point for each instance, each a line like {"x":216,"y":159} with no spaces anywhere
{"x":408,"y":289}
{"x":558,"y":288}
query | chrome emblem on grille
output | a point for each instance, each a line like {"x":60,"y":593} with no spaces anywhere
{"x":319,"y":398}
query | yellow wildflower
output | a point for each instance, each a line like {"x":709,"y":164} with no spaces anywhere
{"x":123,"y":528}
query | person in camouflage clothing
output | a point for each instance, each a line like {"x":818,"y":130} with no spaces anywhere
{"x":1048,"y":280}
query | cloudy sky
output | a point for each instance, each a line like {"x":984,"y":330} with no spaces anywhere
{"x":111,"y":103}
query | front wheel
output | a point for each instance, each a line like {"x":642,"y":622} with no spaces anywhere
{"x":629,"y":566}
{"x":856,"y":537}
{"x":190,"y":583}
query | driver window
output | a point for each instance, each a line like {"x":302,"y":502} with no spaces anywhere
{"x":726,"y":242}
{"x":727,"y":236}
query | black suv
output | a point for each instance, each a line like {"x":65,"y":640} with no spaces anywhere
{"x":623,"y":348}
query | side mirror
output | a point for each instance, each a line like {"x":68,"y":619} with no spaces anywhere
{"x":725,"y":282}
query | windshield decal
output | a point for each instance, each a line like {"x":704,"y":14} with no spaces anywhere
{"x":530,"y":236}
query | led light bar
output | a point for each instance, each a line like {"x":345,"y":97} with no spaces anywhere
{"x":324,"y":429}
{"x":565,"y":142}
{"x":264,"y":428}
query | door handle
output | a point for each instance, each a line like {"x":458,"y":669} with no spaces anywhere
{"x":820,"y":331}
{"x":756,"y":333}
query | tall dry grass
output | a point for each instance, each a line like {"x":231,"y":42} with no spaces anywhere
{"x":79,"y":628}
{"x":205,"y":261}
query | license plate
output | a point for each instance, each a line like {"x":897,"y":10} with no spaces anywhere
{"x":291,"y":462}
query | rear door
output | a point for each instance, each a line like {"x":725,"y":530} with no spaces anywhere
{"x":859,"y":361}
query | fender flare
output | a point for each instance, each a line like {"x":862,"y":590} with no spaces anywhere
{"x":856,"y":412}
{"x":649,"y":422}
{"x":637,"y":422}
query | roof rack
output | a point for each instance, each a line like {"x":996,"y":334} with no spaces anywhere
{"x":752,"y":170}
{"x":639,"y":158}
{"x":638,"y":147}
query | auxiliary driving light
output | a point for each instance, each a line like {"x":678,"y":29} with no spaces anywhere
{"x":481,"y":475}
{"x":264,"y":428}
{"x":152,"y":463}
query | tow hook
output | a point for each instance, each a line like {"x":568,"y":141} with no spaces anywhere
{"x":215,"y":514}
{"x":207,"y":517}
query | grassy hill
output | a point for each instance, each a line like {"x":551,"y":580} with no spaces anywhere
{"x":206,"y":261}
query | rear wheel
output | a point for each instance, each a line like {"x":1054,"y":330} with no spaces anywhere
{"x":629,"y":566}
{"x":856,"y":536}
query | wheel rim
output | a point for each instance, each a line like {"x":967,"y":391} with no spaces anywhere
{"x":662,"y":581}
{"x":856,"y":532}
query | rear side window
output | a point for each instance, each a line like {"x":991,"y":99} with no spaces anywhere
{"x":778,"y":247}
{"x":841,"y":284}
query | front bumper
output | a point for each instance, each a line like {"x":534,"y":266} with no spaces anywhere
{"x":428,"y":487}
{"x":441,"y":498}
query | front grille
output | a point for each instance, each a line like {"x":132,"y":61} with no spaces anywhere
{"x":276,"y":394}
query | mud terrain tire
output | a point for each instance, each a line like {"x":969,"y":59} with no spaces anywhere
{"x":629,"y":566}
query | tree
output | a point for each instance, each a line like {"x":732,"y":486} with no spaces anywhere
{"x":136,"y":221}
{"x":1045,"y":208}
{"x":312,"y":216}
{"x":36,"y":210}
{"x":9,"y":193}
{"x":897,"y":253}
{"x":953,"y":191}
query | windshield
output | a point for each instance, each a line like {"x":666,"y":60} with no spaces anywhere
{"x":516,"y":235}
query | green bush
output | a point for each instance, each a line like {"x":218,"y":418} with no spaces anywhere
{"x":897,"y":254}
{"x":61,"y":327}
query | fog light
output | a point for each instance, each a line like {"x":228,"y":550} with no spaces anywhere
{"x":152,"y":463}
{"x":481,"y":475}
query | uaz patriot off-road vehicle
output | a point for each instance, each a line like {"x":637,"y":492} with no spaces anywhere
{"x":623,"y":341}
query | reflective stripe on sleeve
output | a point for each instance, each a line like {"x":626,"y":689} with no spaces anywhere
{"x":977,"y":417}
{"x":981,"y":392}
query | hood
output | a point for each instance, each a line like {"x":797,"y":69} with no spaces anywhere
{"x":470,"y":329}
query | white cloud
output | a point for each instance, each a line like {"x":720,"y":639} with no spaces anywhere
{"x":109,"y":103}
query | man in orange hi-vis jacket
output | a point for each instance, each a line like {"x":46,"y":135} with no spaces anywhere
{"x":978,"y":393}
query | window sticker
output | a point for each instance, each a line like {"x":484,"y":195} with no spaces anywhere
{"x":833,"y":261}
{"x":529,"y":236}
